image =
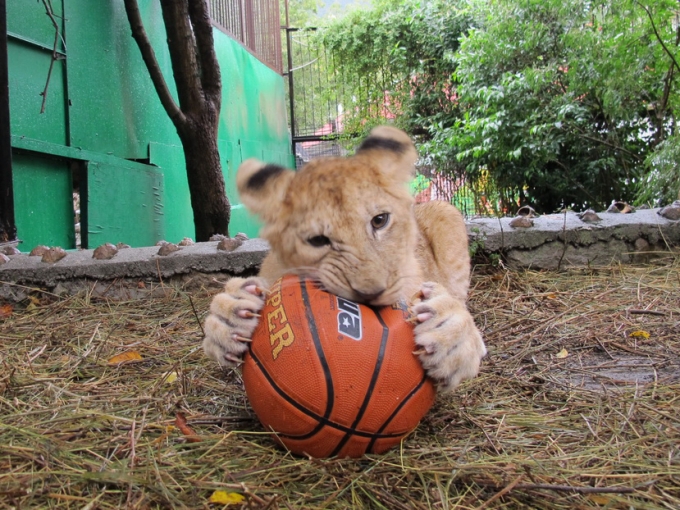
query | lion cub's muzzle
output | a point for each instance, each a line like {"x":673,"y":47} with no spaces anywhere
{"x":368,"y":297}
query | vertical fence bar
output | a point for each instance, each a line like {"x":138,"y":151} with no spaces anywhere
{"x":255,"y":24}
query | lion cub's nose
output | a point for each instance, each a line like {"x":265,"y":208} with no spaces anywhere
{"x":368,"y":297}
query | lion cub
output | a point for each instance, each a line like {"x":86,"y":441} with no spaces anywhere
{"x":352,"y":225}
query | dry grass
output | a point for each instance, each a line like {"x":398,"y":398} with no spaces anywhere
{"x":597,"y":428}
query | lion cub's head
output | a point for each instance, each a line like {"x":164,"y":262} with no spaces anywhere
{"x":347,"y":222}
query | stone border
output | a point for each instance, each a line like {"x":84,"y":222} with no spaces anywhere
{"x":554,"y":241}
{"x":559,"y":240}
{"x":134,"y":263}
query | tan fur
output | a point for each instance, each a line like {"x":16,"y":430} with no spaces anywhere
{"x":421,"y":250}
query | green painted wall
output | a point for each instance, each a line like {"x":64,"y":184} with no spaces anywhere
{"x":103,"y":110}
{"x":29,"y":56}
{"x":43,"y":193}
{"x":138,"y":192}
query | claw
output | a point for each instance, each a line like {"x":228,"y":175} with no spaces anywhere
{"x":256,"y":290}
{"x":420,"y":352}
{"x":239,"y":338}
{"x":247,"y":314}
{"x":412,"y":319}
{"x":233,"y":359}
{"x":418,"y":296}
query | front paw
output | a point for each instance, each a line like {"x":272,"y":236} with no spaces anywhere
{"x":450,"y":346}
{"x":232,"y":320}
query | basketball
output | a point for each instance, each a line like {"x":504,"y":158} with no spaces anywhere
{"x":329,"y":377}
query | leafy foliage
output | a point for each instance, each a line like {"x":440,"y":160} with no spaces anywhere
{"x":662,"y":183}
{"x":397,"y":61}
{"x":563,"y":100}
{"x":548,"y":102}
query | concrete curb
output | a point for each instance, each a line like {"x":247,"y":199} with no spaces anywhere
{"x":135,"y":263}
{"x":559,"y":240}
{"x":555,"y":240}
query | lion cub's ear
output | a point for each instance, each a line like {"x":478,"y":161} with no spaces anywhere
{"x":262,"y":187}
{"x":392,"y":149}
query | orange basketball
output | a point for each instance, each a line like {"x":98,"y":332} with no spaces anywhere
{"x":330,"y":377}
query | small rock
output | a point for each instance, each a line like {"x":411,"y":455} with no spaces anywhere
{"x":527,"y":211}
{"x":641,"y":244}
{"x":161,"y":243}
{"x":671,"y":212}
{"x":60,"y":290}
{"x":521,"y":222}
{"x":227,"y":244}
{"x":643,"y":206}
{"x":187,"y":241}
{"x":54,"y":255}
{"x":589,"y":216}
{"x":620,"y":207}
{"x":10,"y":250}
{"x":39,"y":251}
{"x":217,"y":237}
{"x":167,"y":249}
{"x":122,"y":246}
{"x":3,"y":259}
{"x":105,"y":252}
{"x":241,"y":236}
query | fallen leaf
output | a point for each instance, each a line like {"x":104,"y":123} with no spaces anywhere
{"x":184,"y":427}
{"x":33,"y":304}
{"x":562,"y":354}
{"x":551,"y":296}
{"x":640,"y":334}
{"x":600,"y":499}
{"x":6,"y":311}
{"x":226,"y":498}
{"x":169,"y":377}
{"x":125,"y":357}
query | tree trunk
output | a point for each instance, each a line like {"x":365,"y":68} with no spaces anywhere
{"x":206,"y":183}
{"x":199,"y":90}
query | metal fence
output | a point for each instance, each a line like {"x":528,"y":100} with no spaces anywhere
{"x":254,"y":23}
{"x":320,"y":127}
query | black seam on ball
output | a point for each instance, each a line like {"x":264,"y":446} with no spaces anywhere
{"x":389,"y":419}
{"x":371,"y":386}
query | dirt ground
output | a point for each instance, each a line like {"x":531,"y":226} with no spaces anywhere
{"x":577,"y":406}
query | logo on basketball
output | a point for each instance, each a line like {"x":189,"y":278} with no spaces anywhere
{"x":349,"y":319}
{"x":280,"y":333}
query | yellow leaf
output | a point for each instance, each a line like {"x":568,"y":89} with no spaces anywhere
{"x":551,"y":296}
{"x":562,"y":354}
{"x":599,"y":499}
{"x":125,"y":357}
{"x":170,"y":377}
{"x":226,"y":498}
{"x":640,"y":334}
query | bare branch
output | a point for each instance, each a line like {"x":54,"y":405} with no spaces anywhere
{"x":50,"y":13}
{"x":182,"y":45}
{"x":658,"y":37}
{"x":148,"y":55}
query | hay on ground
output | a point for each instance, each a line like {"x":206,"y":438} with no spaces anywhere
{"x":577,"y":406}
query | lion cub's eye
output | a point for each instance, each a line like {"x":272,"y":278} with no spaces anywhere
{"x":319,"y":241}
{"x":380,"y":221}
